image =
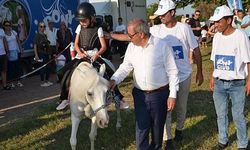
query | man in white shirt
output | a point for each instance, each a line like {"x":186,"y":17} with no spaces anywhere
{"x":229,"y":82}
{"x":51,"y":36}
{"x":119,"y":46}
{"x":154,"y":73}
{"x":181,"y":38}
{"x":121,"y":27}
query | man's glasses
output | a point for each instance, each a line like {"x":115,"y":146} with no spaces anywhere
{"x":42,"y":26}
{"x":197,"y":14}
{"x":7,"y":25}
{"x":131,"y":36}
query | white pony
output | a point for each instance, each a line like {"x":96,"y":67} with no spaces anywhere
{"x":87,"y":95}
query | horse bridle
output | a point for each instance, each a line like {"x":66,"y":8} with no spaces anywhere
{"x":110,"y":97}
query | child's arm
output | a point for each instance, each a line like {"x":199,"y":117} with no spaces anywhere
{"x":77,"y":48}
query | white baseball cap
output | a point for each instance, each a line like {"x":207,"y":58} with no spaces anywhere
{"x":164,"y":6}
{"x":221,"y":12}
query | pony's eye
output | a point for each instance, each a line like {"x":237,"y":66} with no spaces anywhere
{"x":89,"y":93}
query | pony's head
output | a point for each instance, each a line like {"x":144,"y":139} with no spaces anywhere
{"x":88,"y":87}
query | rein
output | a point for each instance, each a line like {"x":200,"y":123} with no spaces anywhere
{"x":110,"y":93}
{"x":109,"y":99}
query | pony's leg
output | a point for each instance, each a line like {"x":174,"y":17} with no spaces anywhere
{"x":118,"y":116}
{"x":75,"y":120}
{"x":93,"y":132}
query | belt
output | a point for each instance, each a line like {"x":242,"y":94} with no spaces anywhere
{"x":156,"y":90}
{"x":229,"y":80}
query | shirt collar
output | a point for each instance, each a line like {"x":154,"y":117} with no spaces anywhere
{"x":150,"y":41}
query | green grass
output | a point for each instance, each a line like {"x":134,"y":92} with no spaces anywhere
{"x":50,"y":129}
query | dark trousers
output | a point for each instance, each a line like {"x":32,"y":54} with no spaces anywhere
{"x":64,"y":76}
{"x":119,"y":47}
{"x":52,"y":52}
{"x":150,"y":113}
{"x":44,"y":72}
{"x":14,"y":69}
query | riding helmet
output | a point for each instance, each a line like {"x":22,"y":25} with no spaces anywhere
{"x":85,"y":11}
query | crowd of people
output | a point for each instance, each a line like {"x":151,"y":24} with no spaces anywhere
{"x":162,"y":74}
{"x":205,"y":32}
{"x":229,"y":75}
{"x":47,"y":43}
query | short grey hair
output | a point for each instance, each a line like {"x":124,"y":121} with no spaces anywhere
{"x":140,"y":26}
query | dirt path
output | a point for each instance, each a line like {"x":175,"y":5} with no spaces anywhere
{"x":22,"y":100}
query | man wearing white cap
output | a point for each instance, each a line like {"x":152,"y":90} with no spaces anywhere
{"x":230,"y":55}
{"x":181,"y":38}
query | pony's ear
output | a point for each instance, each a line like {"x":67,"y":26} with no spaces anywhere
{"x":102,"y":70}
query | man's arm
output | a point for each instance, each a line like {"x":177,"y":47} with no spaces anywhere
{"x":122,"y":72}
{"x":120,"y":37}
{"x":199,"y":74}
{"x":172,"y":72}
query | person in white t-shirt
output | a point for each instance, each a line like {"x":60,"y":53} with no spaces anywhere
{"x":14,"y":46}
{"x":245,"y":23}
{"x":53,"y":46}
{"x":119,"y":46}
{"x":121,"y":28}
{"x":181,"y":38}
{"x":229,"y":81}
{"x":204,"y":36}
{"x":51,"y":36}
{"x":3,"y":59}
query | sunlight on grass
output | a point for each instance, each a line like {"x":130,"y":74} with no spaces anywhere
{"x":41,"y":128}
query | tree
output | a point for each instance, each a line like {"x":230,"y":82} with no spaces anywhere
{"x":151,"y":9}
{"x":183,"y":3}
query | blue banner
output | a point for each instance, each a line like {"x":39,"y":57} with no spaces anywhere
{"x":26,"y":14}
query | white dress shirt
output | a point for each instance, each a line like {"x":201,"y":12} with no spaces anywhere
{"x":154,"y":66}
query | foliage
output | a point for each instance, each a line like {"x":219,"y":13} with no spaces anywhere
{"x":151,"y":9}
{"x":183,"y":3}
{"x":205,"y":6}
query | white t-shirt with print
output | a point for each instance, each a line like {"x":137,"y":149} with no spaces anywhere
{"x":230,"y":55}
{"x":182,"y":40}
{"x":11,"y":40}
{"x":2,"y":50}
{"x":99,"y":32}
{"x":51,"y":35}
